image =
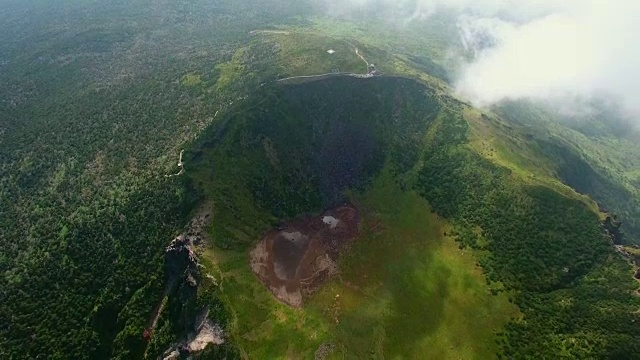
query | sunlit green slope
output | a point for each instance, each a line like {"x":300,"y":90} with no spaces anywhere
{"x":538,"y":243}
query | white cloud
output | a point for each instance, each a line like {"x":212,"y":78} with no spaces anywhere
{"x":421,"y":9}
{"x":536,"y":48}
{"x":585,"y":48}
{"x":542,"y":57}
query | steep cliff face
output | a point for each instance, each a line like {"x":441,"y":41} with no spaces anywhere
{"x":181,"y":258}
{"x":296,"y":149}
{"x":611,"y":227}
{"x":187,"y":325}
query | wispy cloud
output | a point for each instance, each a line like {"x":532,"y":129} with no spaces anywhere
{"x":535,"y":48}
{"x":586,"y":48}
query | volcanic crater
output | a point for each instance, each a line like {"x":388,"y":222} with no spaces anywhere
{"x":294,"y":260}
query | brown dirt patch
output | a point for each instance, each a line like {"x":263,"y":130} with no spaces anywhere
{"x":300,"y":256}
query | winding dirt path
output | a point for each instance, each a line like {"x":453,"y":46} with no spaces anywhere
{"x":363,"y":59}
{"x":366,"y":75}
{"x":180,"y":165}
{"x":151,"y":325}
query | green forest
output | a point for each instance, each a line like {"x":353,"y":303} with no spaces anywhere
{"x":505,"y":207}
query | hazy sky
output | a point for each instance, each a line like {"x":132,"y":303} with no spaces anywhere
{"x":541,"y":48}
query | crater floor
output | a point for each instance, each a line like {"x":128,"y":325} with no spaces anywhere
{"x":298,"y":257}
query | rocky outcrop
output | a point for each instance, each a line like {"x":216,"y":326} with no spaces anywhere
{"x":183,"y":279}
{"x":204,"y":332}
{"x":181,"y":255}
{"x":631,"y":253}
{"x":324,"y":351}
{"x":611,"y":226}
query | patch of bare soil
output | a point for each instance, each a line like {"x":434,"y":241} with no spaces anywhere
{"x":324,"y":351}
{"x":300,"y":256}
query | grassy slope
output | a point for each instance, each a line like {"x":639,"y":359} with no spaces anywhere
{"x":557,"y":262}
{"x":427,"y":45}
{"x":449,"y":281}
{"x":507,"y":145}
{"x":421,"y":291}
{"x":572,"y":288}
{"x":405,"y":291}
{"x":602,"y":165}
{"x":306,"y":54}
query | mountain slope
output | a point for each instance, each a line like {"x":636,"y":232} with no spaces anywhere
{"x":536,"y":239}
{"x":473,"y":241}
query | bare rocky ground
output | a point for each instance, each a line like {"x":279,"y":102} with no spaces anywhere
{"x":634,"y":259}
{"x":324,"y":351}
{"x":205,"y":332}
{"x":297,"y":258}
{"x":181,"y":258}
